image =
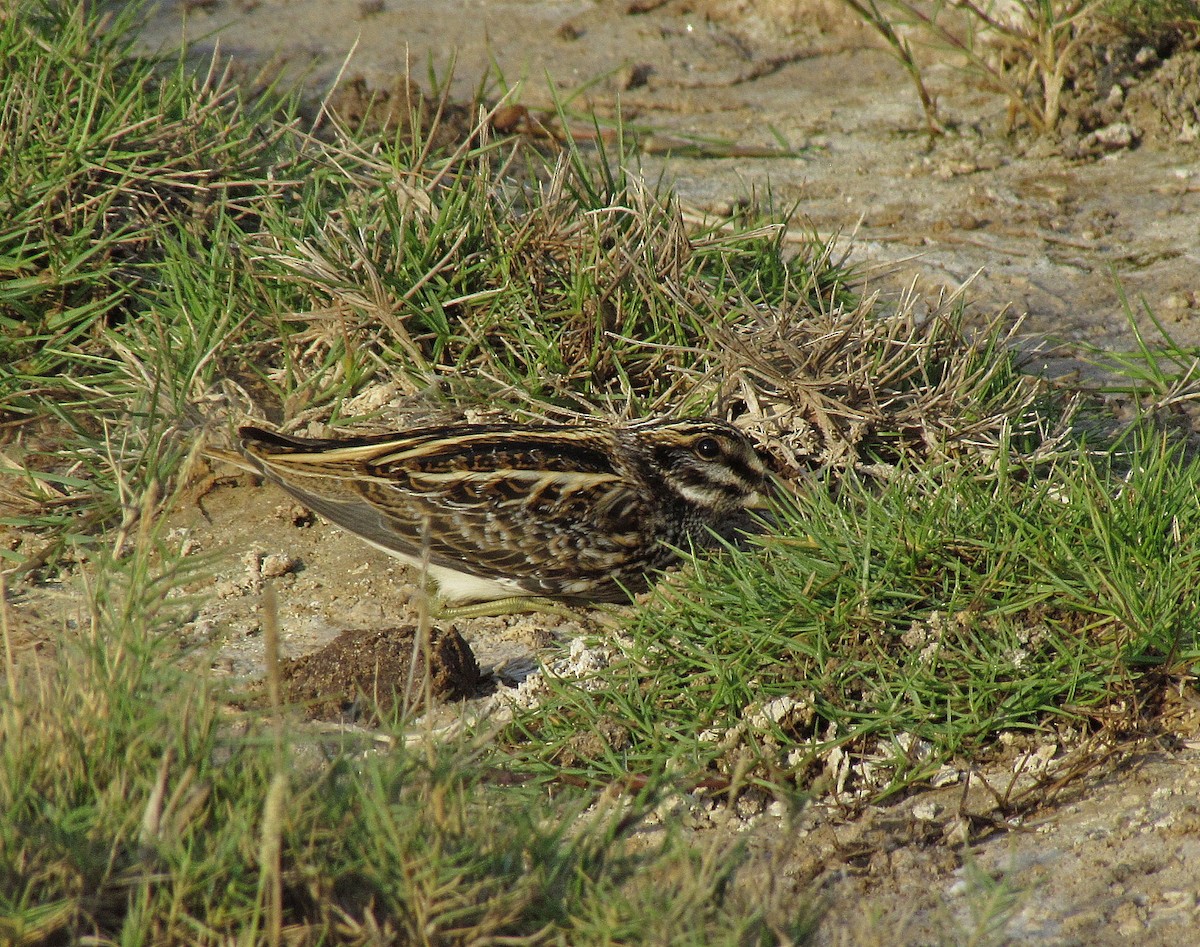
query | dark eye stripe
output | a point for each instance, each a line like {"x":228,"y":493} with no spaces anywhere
{"x":751,"y":474}
{"x":734,"y":471}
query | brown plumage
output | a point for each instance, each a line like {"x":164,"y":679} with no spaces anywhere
{"x":579,"y":511}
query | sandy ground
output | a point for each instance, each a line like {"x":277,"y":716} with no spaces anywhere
{"x":1049,"y":225}
{"x":1050,"y":229}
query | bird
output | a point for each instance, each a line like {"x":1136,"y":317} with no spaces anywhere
{"x":517,"y":514}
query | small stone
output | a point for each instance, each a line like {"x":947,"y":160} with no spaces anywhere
{"x":1178,"y":900}
{"x":1146,"y":56}
{"x":946,"y":776}
{"x":728,"y":208}
{"x":1086,"y":920}
{"x":634,"y":76}
{"x":277,"y":564}
{"x":956,"y":832}
{"x":926,"y":811}
{"x":510,"y":119}
{"x":1114,"y":137}
{"x":750,"y":805}
{"x":1127,"y":921}
{"x":227,"y":588}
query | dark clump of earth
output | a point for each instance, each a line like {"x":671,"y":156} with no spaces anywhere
{"x":1152,"y":85}
{"x":369,"y":674}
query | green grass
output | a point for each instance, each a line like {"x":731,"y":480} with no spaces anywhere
{"x":1151,"y":18}
{"x":183,"y":256}
{"x":140,"y":807}
{"x":935,"y":611}
{"x":103,"y":151}
{"x":172,"y":258}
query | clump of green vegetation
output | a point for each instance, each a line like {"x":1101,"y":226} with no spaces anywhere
{"x":139,"y":806}
{"x":1152,"y":17}
{"x":107,"y":160}
{"x":900,"y":626}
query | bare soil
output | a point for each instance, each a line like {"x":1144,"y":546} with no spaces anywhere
{"x":1061,"y":231}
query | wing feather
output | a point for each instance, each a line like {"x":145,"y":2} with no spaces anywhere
{"x":548,"y":515}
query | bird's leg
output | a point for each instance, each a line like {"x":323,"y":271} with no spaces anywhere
{"x":512,"y":605}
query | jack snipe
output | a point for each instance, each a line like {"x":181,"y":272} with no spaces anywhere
{"x":512,"y":511}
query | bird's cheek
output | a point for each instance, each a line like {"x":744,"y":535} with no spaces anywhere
{"x":756,"y":501}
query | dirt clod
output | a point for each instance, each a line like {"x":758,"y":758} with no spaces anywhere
{"x":365,"y":673}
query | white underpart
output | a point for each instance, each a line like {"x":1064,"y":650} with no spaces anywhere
{"x":457,"y":587}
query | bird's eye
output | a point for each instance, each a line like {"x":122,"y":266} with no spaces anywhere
{"x":708,"y":448}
